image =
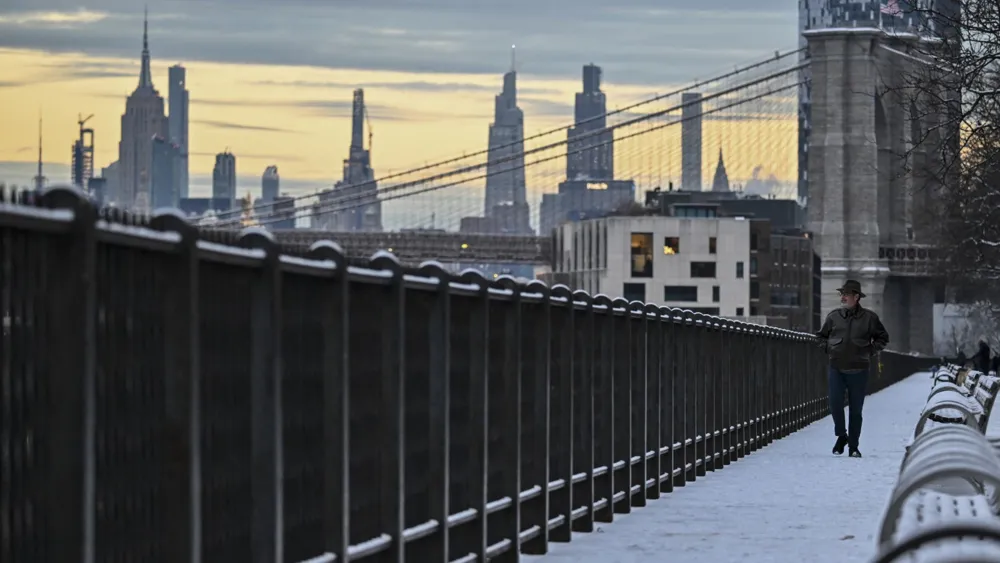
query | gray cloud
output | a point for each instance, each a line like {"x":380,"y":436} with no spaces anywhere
{"x":419,"y":86}
{"x":647,"y":42}
{"x":12,"y":83}
{"x":545,"y":108}
{"x":239,"y":126}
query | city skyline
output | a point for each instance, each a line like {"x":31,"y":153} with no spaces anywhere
{"x":293,"y":116}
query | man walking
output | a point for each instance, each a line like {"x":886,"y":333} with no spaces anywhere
{"x":850,"y":336}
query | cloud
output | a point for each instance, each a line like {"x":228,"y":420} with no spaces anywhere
{"x":239,"y":126}
{"x":12,"y":83}
{"x":55,"y":19}
{"x":410,"y":86}
{"x":24,"y":149}
{"x":545,"y":108}
{"x":340,"y":108}
{"x":651,"y":42}
{"x":255,"y":156}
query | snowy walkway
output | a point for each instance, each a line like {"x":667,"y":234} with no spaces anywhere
{"x":791,"y":501}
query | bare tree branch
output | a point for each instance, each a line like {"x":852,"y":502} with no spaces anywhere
{"x":950,"y":88}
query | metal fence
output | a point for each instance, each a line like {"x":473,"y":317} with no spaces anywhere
{"x":168,"y":399}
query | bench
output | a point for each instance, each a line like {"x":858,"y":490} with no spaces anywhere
{"x":943,"y":507}
{"x":955,"y":403}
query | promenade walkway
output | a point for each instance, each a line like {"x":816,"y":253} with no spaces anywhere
{"x":792,"y":501}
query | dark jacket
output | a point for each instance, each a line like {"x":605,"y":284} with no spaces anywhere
{"x":981,"y":360}
{"x":851,"y":337}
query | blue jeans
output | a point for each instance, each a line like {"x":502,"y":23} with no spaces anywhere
{"x":855,"y":383}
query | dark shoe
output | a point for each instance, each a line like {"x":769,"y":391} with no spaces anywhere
{"x":838,"y":448}
{"x":855,"y":452}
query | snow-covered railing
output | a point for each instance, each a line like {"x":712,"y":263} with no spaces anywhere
{"x":946,"y":495}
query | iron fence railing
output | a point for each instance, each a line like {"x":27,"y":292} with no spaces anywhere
{"x":168,"y":399}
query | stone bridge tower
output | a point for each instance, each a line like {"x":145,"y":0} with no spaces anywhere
{"x":868,"y":199}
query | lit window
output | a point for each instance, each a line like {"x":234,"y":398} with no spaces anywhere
{"x":642,"y":255}
{"x":671,"y":245}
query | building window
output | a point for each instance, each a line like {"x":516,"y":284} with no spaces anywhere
{"x":753,"y":310}
{"x":671,"y":245}
{"x":715,"y":294}
{"x":712,"y":249}
{"x":753,"y":265}
{"x":680,"y":293}
{"x":754,"y":290}
{"x":642,"y":255}
{"x":634,"y":292}
{"x":702,"y":269}
{"x":739,"y":270}
{"x":753,"y":241}
{"x":739,"y":311}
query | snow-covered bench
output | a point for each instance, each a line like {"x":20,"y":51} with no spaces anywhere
{"x":952,"y":403}
{"x":943,"y":507}
{"x":944,"y":373}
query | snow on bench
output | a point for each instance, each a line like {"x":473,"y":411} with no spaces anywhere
{"x":941,"y":501}
{"x":958,"y":403}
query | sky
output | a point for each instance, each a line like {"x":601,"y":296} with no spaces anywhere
{"x":272,"y":81}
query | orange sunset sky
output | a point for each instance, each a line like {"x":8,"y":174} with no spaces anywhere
{"x":274,"y":86}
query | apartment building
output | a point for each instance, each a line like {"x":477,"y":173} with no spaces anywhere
{"x":693,"y":259}
{"x":696,"y":263}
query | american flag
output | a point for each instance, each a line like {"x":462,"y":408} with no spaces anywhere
{"x":891,"y":7}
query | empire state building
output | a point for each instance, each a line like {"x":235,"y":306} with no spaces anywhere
{"x":143,"y":119}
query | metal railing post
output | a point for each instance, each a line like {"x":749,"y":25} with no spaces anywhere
{"x":70,"y":382}
{"x":537,"y":337}
{"x":561,"y":429}
{"x":265,"y":390}
{"x":604,"y":405}
{"x":506,"y":524}
{"x":639,"y":444}
{"x":336,"y":401}
{"x":584,"y":372}
{"x":393,"y":383}
{"x":622,"y":405}
{"x":182,"y":356}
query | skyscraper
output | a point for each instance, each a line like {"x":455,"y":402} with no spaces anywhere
{"x":143,"y":119}
{"x":164,"y":187}
{"x":720,"y":183}
{"x":178,"y":124}
{"x":269,"y":184}
{"x":506,"y":198}
{"x":353,"y":203}
{"x":83,"y":156}
{"x":590,"y":149}
{"x":224,"y":178}
{"x":691,"y":115}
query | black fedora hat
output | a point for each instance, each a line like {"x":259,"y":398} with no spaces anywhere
{"x":852,"y":286}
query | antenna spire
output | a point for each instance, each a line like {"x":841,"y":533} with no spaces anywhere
{"x":145,"y":76}
{"x":39,"y":177}
{"x":513,"y":58}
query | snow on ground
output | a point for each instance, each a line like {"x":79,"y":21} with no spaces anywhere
{"x":792,"y":501}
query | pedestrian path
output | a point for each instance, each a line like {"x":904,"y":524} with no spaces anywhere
{"x":792,"y":501}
